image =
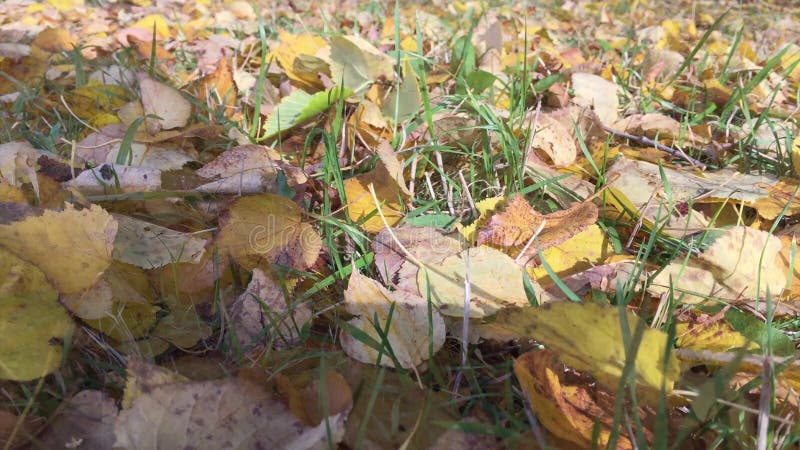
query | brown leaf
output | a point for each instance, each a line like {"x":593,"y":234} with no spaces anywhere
{"x":568,"y":409}
{"x":518,"y":222}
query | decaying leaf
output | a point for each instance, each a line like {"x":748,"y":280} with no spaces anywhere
{"x":148,"y":246}
{"x":261,"y":315}
{"x":218,"y":414}
{"x":408,"y":332}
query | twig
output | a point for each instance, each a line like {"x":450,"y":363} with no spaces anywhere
{"x":662,"y":147}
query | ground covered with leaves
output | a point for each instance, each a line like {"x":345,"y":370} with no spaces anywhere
{"x":428,"y":225}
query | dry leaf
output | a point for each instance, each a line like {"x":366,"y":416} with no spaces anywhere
{"x":554,"y":140}
{"x":385,"y":180}
{"x":30,"y":313}
{"x":165,"y":102}
{"x":513,"y":227}
{"x":740,"y":265}
{"x":408,"y":332}
{"x":227,"y":413}
{"x":71,"y":247}
{"x":598,"y":348}
{"x":579,"y":253}
{"x":149,"y":246}
{"x":569,"y":410}
{"x":88,"y":417}
{"x":592,"y":91}
{"x":268,"y":229}
{"x":262,"y":316}
{"x":116,"y":178}
{"x":496,"y":282}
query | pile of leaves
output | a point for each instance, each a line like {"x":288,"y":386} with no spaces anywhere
{"x":360,"y":225}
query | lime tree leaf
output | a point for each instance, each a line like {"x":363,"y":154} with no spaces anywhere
{"x":356,"y":63}
{"x":300,"y":106}
{"x":32,"y":323}
{"x":599,"y":348}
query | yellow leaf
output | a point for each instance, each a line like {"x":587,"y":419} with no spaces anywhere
{"x":408,"y":330}
{"x":485,"y":207}
{"x":796,"y":152}
{"x":512,"y":228}
{"x":389,"y":185}
{"x":128,"y":321}
{"x":33,"y":325}
{"x":290,"y":48}
{"x":731,"y":269}
{"x":147,"y":22}
{"x":744,"y":261}
{"x":65,"y":5}
{"x":578,"y":253}
{"x":570,"y":411}
{"x":95,"y":98}
{"x":716,"y":336}
{"x":496,"y":282}
{"x":356,"y":63}
{"x":71,"y":247}
{"x":588,"y":337}
{"x":267,"y":229}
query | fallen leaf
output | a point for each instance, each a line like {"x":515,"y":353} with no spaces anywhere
{"x":262,"y":318}
{"x":29,"y":311}
{"x":598,"y":348}
{"x":243,"y":415}
{"x":165,"y":102}
{"x":496,"y":282}
{"x":268,"y":229}
{"x":114,"y":178}
{"x":356,"y":63}
{"x":427,"y":245}
{"x":571,"y":410}
{"x":389,"y":185}
{"x":88,"y":417}
{"x":71,"y":247}
{"x":148,"y":246}
{"x":740,"y":265}
{"x":579,"y":253}
{"x":18,"y":164}
{"x":299,"y":107}
{"x":291,"y":48}
{"x":554,"y":140}
{"x":183,"y":327}
{"x":413,"y":332}
{"x":513,"y":226}
{"x":592,"y":91}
